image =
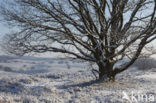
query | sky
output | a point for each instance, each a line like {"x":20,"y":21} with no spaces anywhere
{"x":4,"y":29}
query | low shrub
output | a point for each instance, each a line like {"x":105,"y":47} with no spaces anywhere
{"x":145,"y":63}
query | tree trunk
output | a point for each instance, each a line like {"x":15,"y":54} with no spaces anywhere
{"x":106,"y":71}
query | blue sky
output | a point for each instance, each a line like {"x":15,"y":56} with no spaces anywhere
{"x":4,"y":29}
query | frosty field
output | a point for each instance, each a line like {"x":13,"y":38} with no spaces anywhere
{"x":51,"y":80}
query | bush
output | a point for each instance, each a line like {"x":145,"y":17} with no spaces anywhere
{"x":145,"y":63}
{"x":6,"y":69}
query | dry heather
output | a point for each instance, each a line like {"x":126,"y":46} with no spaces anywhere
{"x":145,"y":63}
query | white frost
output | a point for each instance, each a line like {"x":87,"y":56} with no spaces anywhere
{"x":43,"y":80}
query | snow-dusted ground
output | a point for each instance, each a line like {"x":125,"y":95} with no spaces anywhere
{"x":44,"y":80}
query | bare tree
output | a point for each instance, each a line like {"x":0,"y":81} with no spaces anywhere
{"x":99,"y":31}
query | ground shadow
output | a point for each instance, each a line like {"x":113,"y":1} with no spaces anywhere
{"x":83,"y":84}
{"x":11,"y":87}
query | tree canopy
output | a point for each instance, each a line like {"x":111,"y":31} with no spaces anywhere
{"x":100,"y":31}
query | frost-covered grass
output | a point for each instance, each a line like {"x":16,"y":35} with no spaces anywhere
{"x":145,"y":63}
{"x":42,"y":80}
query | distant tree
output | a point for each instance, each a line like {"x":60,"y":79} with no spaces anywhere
{"x":98,"y":31}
